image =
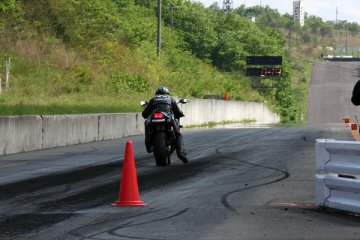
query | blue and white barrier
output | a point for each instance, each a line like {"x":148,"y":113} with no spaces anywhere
{"x":338,"y":175}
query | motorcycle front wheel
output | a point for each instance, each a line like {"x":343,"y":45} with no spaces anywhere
{"x":160,"y":152}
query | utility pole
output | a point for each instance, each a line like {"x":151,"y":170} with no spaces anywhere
{"x":227,"y":6}
{"x":159,"y":30}
{"x":172,"y":7}
{"x":289,"y":39}
{"x":7,"y":74}
{"x":336,"y":23}
{"x":336,"y":30}
{"x":346,"y":40}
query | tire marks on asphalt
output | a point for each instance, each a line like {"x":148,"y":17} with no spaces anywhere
{"x":116,"y":231}
{"x":283,"y":174}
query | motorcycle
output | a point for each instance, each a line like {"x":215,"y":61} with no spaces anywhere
{"x":161,"y":127}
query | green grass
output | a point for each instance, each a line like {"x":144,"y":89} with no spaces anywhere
{"x":62,"y":81}
{"x":69,"y":104}
{"x":56,"y":109}
{"x":301,"y":81}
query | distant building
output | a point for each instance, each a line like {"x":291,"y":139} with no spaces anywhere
{"x":299,"y":14}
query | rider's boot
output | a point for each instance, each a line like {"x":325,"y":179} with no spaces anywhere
{"x":180,"y":150}
{"x":148,"y":146}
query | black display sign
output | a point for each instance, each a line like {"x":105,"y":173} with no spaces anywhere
{"x":264,"y":60}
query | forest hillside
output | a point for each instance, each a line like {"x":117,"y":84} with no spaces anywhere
{"x":77,"y":56}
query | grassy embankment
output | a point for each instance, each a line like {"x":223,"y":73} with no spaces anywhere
{"x":101,"y":57}
{"x":61,"y":68}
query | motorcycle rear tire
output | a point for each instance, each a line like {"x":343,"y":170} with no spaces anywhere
{"x":160,"y":152}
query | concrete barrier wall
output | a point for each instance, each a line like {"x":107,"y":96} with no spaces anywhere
{"x":64,"y":130}
{"x":27,"y":133}
{"x":20,"y":134}
{"x":112,"y":126}
{"x":199,"y":111}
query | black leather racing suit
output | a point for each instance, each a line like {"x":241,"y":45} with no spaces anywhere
{"x":165,"y":103}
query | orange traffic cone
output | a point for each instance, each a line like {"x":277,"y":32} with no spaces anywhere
{"x":129,"y":191}
{"x":226,"y":96}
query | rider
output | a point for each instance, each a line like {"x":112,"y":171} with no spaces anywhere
{"x":355,"y":98}
{"x":164,"y":102}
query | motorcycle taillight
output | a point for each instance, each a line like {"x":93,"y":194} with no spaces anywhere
{"x":158,"y":115}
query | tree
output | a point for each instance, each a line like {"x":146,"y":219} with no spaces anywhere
{"x":326,"y":29}
{"x":12,"y":14}
{"x":238,"y":38}
{"x":314,"y":24}
{"x":196,"y":25}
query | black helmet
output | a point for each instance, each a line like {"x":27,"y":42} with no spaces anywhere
{"x":162,"y":91}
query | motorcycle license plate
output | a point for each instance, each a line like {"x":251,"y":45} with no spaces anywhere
{"x":157,"y":120}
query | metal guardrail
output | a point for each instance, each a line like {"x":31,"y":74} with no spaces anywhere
{"x":343,"y":59}
{"x":338,"y":174}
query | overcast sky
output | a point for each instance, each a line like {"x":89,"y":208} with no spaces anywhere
{"x":326,"y":9}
